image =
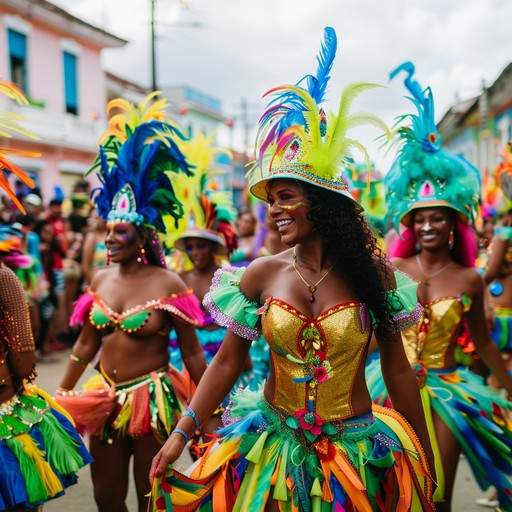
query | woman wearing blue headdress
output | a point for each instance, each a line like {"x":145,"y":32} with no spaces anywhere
{"x":310,"y":440}
{"x":432,"y":197}
{"x":132,"y":404}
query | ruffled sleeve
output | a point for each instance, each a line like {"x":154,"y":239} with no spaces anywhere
{"x":403,"y":302}
{"x":229,"y":306}
{"x":183,"y":306}
{"x":81,"y":309}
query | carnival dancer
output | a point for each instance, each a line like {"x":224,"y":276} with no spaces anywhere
{"x":130,"y":308}
{"x":40,"y":449}
{"x":310,"y":439}
{"x":498,"y":271}
{"x":209,"y":238}
{"x":432,"y":198}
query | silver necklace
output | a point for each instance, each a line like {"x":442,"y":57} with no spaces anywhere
{"x":427,"y":278}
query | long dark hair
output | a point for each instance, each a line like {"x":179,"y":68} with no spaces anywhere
{"x":361,"y":262}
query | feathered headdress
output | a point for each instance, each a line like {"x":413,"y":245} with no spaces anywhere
{"x":138,"y":160}
{"x":10,"y":238}
{"x":9,"y":123}
{"x":424,"y":174}
{"x":208,"y":211}
{"x":297,"y":139}
{"x":504,"y":169}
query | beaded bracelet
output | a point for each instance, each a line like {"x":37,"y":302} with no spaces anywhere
{"x":78,"y":360}
{"x":192,"y":414}
{"x":181,"y":432}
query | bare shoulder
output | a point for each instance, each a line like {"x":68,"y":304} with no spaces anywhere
{"x":261,"y":272}
{"x":169,"y":280}
{"x":101,"y":276}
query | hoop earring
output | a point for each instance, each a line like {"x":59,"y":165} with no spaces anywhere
{"x":141,"y":258}
{"x":418,"y":247}
{"x":108,"y":259}
{"x":451,"y":241}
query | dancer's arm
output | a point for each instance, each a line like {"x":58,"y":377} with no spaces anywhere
{"x":216,"y":383}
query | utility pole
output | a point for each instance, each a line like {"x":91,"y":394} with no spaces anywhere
{"x":153,"y":47}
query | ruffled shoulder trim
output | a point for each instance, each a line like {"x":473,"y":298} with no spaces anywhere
{"x":229,"y":306}
{"x":403,"y":302}
{"x":183,"y":306}
{"x":81,"y":309}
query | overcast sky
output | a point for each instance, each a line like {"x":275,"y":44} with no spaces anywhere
{"x":235,"y":50}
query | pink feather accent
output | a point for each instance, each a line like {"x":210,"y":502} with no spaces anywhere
{"x":81,"y":310}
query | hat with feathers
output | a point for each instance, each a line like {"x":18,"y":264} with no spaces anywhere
{"x":297,"y":139}
{"x":424,"y":174}
{"x":209,"y":212}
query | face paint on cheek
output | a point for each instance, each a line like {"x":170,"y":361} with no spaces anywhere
{"x":292,"y":207}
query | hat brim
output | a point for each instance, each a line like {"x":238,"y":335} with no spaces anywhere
{"x":407,"y":217}
{"x":259,"y":189}
{"x":219,"y":247}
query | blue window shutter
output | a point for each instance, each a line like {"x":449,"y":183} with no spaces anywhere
{"x":70,"y":81}
{"x":17,"y":44}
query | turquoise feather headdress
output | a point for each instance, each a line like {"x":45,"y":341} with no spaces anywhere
{"x":424,"y":174}
{"x":297,"y":139}
{"x":136,"y":164}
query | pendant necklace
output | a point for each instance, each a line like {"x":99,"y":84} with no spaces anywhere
{"x":437,"y":272}
{"x":311,"y":287}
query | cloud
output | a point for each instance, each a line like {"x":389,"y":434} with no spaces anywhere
{"x":242,"y":49}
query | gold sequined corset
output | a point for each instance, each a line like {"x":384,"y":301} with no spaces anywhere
{"x":315,"y":360}
{"x":434,"y":336}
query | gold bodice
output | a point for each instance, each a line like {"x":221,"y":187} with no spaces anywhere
{"x":315,"y":360}
{"x":434,"y":336}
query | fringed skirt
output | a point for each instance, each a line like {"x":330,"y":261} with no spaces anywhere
{"x":151,"y":402}
{"x":476,"y":414}
{"x":40,"y":450}
{"x":502,"y":331}
{"x":369,"y":463}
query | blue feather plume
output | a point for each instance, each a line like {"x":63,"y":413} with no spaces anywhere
{"x":424,"y":131}
{"x":145,"y":161}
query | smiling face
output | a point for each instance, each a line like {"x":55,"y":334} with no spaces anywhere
{"x":200,"y":252}
{"x":122,"y":242}
{"x":432,"y":226}
{"x":289,"y":208}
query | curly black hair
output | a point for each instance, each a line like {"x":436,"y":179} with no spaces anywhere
{"x":361,"y":262}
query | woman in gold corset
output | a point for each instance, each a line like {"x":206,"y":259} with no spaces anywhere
{"x":432,"y":198}
{"x":310,"y":439}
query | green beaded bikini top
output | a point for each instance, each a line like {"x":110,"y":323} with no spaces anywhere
{"x":104,"y":318}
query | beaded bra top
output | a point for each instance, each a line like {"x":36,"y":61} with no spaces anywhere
{"x":182,"y":306}
{"x":432,"y":341}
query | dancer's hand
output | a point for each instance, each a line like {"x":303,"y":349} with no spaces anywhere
{"x":169,"y":453}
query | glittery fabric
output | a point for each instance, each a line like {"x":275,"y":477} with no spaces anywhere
{"x":14,"y":315}
{"x":305,"y":380}
{"x":430,"y":340}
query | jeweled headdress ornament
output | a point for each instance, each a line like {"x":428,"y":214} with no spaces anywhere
{"x":209,"y":212}
{"x":424,"y":174}
{"x":297,"y":139}
{"x":139,"y":156}
{"x":8,"y":124}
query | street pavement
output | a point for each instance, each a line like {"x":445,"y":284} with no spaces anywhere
{"x":79,"y":498}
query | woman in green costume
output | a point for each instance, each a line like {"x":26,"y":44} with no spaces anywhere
{"x":310,"y":440}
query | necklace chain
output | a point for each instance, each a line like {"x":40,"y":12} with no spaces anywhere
{"x":437,"y":272}
{"x":312,"y":287}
